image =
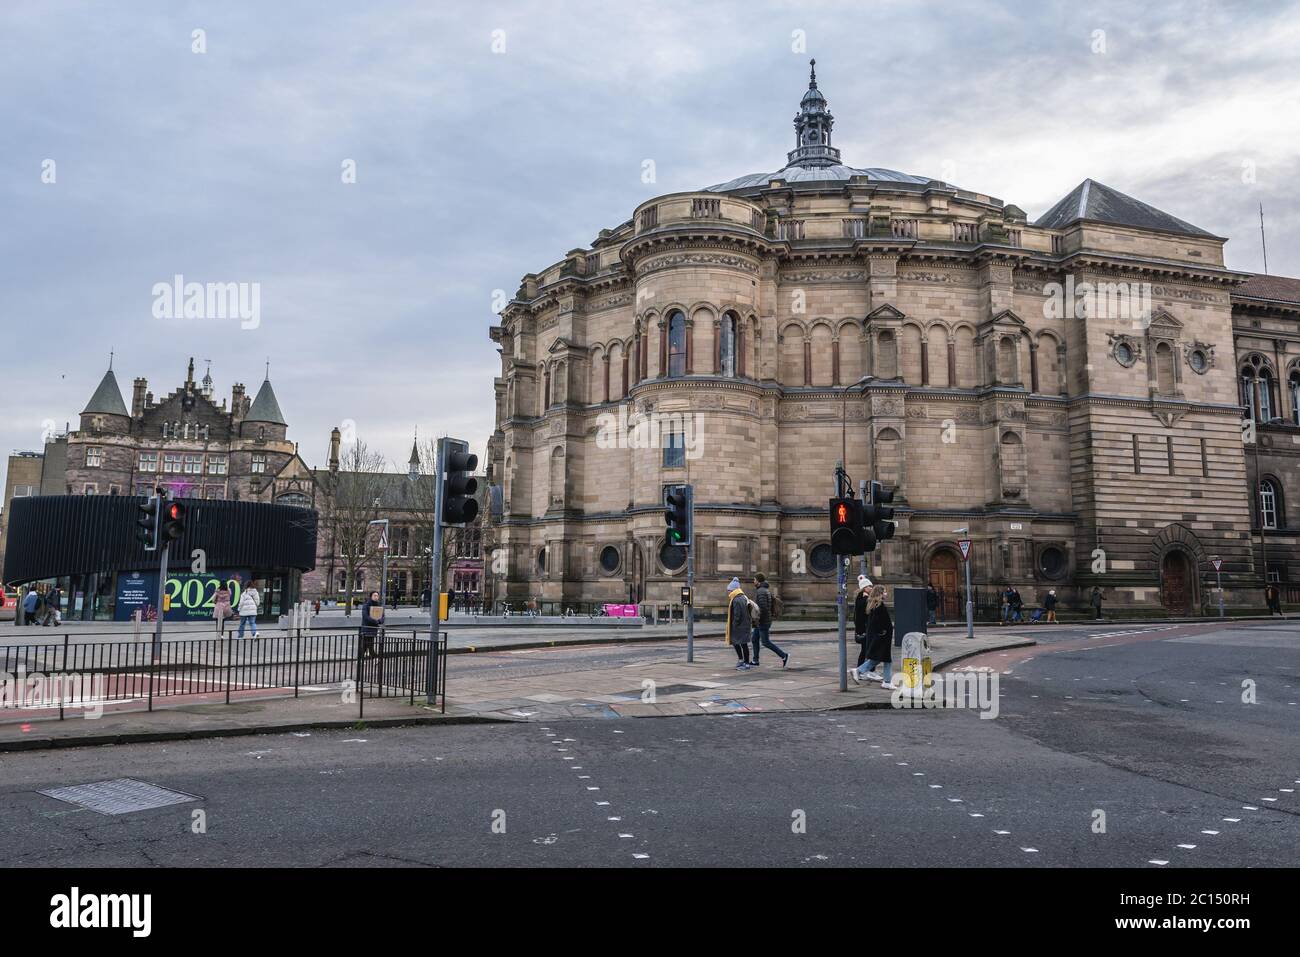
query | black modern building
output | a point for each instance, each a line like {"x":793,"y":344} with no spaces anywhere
{"x":88,"y":545}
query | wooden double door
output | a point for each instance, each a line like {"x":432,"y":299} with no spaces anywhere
{"x":943,"y":576}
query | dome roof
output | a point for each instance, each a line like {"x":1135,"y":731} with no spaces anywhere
{"x":818,"y":174}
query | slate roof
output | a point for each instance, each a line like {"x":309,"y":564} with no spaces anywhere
{"x":265,"y":408}
{"x":1098,"y":202}
{"x":107,"y":399}
{"x":1272,"y":288}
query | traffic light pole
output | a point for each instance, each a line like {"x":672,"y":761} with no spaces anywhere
{"x":165,"y":546}
{"x":970,"y":599}
{"x":690,"y":578}
{"x":435,"y":595}
{"x":862,"y":494}
{"x":842,"y":562}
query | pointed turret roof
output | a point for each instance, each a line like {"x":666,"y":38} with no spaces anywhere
{"x":415,"y":454}
{"x":1095,"y":201}
{"x":265,"y":408}
{"x":107,"y":399}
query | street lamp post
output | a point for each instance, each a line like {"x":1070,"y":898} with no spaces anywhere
{"x":383,"y":547}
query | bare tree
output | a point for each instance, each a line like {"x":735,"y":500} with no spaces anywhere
{"x":354,"y":499}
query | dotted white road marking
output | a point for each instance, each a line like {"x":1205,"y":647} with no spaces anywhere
{"x":1030,"y":850}
{"x":1233,"y":820}
{"x":1161,"y":863}
{"x":1211,"y":833}
{"x":1188,"y":847}
{"x":1001,"y":832}
{"x":977,"y":815}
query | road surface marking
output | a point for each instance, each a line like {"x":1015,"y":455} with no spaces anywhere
{"x":1233,"y":820}
{"x":1210,"y":832}
{"x":1161,"y":863}
{"x":1188,"y":847}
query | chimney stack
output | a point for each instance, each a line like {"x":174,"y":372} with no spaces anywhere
{"x":138,"y":394}
{"x":336,"y":437}
{"x":237,"y":400}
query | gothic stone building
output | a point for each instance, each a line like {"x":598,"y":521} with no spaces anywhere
{"x":196,"y":447}
{"x":1069,"y":389}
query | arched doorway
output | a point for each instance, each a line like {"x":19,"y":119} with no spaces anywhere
{"x":1176,"y":582}
{"x":943,"y":576}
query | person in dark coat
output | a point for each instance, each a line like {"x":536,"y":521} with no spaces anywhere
{"x":878,"y":635}
{"x":372,"y":619}
{"x":1095,"y":601}
{"x":763,"y":622}
{"x":1049,"y":605}
{"x":931,"y":602}
{"x":1274,"y":598}
{"x":860,"y":617}
{"x":739,"y":623}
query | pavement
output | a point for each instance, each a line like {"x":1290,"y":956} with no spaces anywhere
{"x":526,"y":685}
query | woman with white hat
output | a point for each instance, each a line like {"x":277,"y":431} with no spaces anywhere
{"x":877,"y":631}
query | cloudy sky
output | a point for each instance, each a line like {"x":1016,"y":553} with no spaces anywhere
{"x":490,"y":138}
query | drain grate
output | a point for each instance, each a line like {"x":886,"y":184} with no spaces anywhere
{"x":119,"y":796}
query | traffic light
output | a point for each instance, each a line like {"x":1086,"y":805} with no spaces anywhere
{"x":878,"y":515}
{"x":459,"y":506}
{"x":677,"y":513}
{"x":846,"y":527}
{"x":174,"y":519}
{"x":146,"y":523}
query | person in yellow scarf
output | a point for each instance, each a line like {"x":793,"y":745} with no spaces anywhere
{"x":739,"y":623}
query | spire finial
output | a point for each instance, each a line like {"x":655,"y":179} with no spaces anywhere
{"x":110,"y":351}
{"x":267,"y":376}
{"x":812,"y":74}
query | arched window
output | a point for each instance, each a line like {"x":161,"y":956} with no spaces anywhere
{"x":1265,"y":395}
{"x":1293,"y":385}
{"x":727,"y":345}
{"x":1270,"y":512}
{"x":1247,"y":383}
{"x":676,"y":345}
{"x":546,"y":388}
{"x":1164,"y":369}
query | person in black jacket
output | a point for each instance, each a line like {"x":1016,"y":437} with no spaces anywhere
{"x":1049,"y":605}
{"x":372,"y":619}
{"x":762,"y":625}
{"x":876,"y":629}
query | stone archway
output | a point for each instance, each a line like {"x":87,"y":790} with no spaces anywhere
{"x":1177,"y":582}
{"x":943,"y":575}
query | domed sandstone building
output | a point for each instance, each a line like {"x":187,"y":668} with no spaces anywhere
{"x":1068,"y":389}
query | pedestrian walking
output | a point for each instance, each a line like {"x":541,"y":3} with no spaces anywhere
{"x":931,"y":602}
{"x":1015,"y":605}
{"x":878,"y":635}
{"x":54,"y":607}
{"x":1274,"y":599}
{"x":739,"y":623}
{"x":1049,"y":606}
{"x":372,"y":619}
{"x":249,"y":602}
{"x":763,"y":621}
{"x":31,"y":606}
{"x":860,"y":617}
{"x":1095,"y":601}
{"x":221,"y":609}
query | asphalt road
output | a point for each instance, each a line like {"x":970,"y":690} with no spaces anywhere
{"x":1149,"y":728}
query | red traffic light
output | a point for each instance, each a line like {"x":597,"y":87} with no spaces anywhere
{"x":841,"y":514}
{"x":174,"y":511}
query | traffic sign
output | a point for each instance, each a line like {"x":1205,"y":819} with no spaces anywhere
{"x":1217,"y":563}
{"x":964,"y":545}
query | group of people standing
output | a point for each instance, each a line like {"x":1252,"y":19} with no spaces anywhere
{"x":250,"y":600}
{"x":46,"y":609}
{"x":749,"y":622}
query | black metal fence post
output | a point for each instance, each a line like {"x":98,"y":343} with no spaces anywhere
{"x":63,"y":671}
{"x":361,"y":688}
{"x":230,"y":644}
{"x":297,"y":656}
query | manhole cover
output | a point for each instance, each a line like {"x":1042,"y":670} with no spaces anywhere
{"x":119,"y":796}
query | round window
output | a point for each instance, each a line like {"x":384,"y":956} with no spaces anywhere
{"x":822,"y":559}
{"x":609,"y":559}
{"x":1051,"y":562}
{"x":672,"y":557}
{"x":1124,"y":353}
{"x":1198,"y":361}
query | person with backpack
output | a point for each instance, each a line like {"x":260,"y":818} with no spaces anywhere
{"x":372,"y":619}
{"x":249,"y":602}
{"x":763,"y":621}
{"x":53,"y":607}
{"x":739,"y":623}
{"x":877,"y":630}
{"x":31,"y":606}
